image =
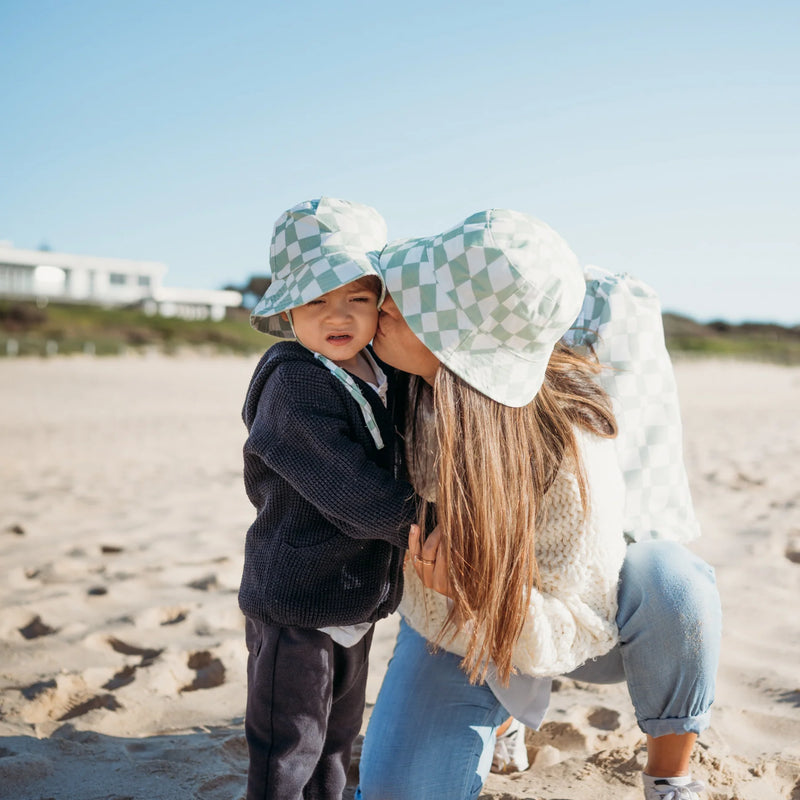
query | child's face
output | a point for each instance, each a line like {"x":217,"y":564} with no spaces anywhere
{"x":338,"y":324}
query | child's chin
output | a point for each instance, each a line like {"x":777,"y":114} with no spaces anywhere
{"x":340,"y":353}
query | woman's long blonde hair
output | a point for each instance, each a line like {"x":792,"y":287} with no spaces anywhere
{"x":494,"y":467}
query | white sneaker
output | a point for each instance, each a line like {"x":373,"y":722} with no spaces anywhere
{"x":510,"y":753}
{"x":683,"y":788}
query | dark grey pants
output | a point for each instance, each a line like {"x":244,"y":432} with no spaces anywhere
{"x":305,"y":702}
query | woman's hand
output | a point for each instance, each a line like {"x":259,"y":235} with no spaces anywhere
{"x":430,"y":562}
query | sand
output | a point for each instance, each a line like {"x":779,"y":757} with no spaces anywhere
{"x":121,"y":645}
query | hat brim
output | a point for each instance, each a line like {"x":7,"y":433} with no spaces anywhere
{"x":312,"y":280}
{"x":508,"y":377}
{"x":462,"y":331}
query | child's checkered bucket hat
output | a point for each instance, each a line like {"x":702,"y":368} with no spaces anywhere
{"x":489,"y":297}
{"x":317,"y":246}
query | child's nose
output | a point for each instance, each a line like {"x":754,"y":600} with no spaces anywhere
{"x":339,"y":309}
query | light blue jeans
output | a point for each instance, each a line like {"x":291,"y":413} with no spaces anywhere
{"x":431,"y":734}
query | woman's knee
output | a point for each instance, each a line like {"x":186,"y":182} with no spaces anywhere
{"x":670,"y":584}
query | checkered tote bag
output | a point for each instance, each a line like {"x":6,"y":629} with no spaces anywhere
{"x":621,"y":323}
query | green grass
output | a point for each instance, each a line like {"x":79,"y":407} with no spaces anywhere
{"x":750,"y":341}
{"x":102,"y":331}
{"x":85,"y":328}
{"x":751,"y":349}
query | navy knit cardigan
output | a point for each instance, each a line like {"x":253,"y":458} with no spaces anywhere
{"x":328,"y":541}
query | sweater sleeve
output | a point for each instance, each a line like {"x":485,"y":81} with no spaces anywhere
{"x":571,"y":618}
{"x":302,"y":431}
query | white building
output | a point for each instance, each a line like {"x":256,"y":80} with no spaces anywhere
{"x":42,"y":275}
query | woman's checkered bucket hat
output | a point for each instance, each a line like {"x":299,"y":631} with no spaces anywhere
{"x":317,"y":246}
{"x":489,"y":297}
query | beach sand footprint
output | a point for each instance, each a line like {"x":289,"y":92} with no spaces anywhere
{"x":64,"y":699}
{"x":35,"y":689}
{"x":604,"y":719}
{"x":122,"y":678}
{"x":563,"y":736}
{"x":792,"y":551}
{"x":210,"y":671}
{"x":222,"y":787}
{"x":161,"y":616}
{"x":622,"y":761}
{"x":174,"y":617}
{"x":16,"y":529}
{"x":234,"y":750}
{"x":36,"y":628}
{"x":77,"y":707}
{"x":125,"y":676}
{"x":732,"y":476}
{"x":207,"y":583}
{"x":148,"y":655}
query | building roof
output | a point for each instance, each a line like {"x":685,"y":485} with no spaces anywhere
{"x":36,"y":258}
{"x":169,"y":294}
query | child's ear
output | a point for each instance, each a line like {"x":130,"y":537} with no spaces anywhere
{"x":284,"y":316}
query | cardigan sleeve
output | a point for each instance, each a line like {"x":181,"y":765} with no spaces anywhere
{"x":571,"y":618}
{"x":303,"y":432}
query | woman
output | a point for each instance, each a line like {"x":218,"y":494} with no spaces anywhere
{"x":527,"y":569}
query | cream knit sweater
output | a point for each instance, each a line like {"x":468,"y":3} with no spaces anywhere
{"x":572,"y":618}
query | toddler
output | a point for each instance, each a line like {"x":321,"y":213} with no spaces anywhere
{"x":324,"y":556}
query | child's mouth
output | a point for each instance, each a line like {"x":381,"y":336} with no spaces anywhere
{"x":339,"y":338}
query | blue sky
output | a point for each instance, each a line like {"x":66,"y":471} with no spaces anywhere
{"x":661,"y":139}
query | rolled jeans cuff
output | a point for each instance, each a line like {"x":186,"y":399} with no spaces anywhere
{"x":676,"y":725}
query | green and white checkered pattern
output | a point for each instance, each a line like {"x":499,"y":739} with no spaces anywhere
{"x":317,"y":246}
{"x":621,"y":322}
{"x":489,"y":297}
{"x":357,"y":395}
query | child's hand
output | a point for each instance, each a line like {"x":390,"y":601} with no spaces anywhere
{"x":430,"y":563}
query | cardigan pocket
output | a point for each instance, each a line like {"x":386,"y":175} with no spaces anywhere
{"x":337,"y":582}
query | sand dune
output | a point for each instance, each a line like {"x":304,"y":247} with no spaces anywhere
{"x":121,"y":644}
